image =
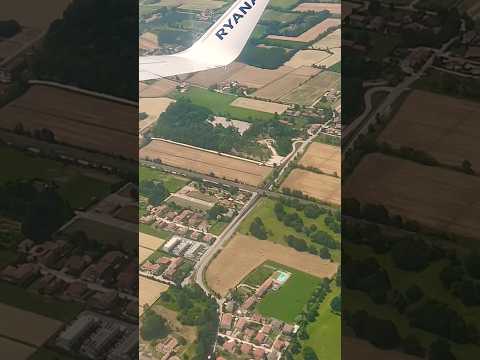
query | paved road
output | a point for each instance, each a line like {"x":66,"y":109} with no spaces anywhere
{"x":202,"y":264}
{"x":360,"y":127}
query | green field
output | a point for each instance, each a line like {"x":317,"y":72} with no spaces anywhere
{"x":325,"y":332}
{"x":147,"y":229}
{"x":284,"y":17}
{"x":288,"y":302}
{"x":22,"y":299}
{"x":259,"y":275}
{"x":284,"y":4}
{"x":336,"y":68}
{"x":18,"y":165}
{"x":277,"y":231}
{"x":173,"y":183}
{"x":218,"y":227}
{"x":219,"y":104}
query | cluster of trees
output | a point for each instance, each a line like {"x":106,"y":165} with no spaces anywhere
{"x":9,"y":28}
{"x":189,"y":123}
{"x":265,"y":58}
{"x":295,"y":221}
{"x":216,"y":211}
{"x":376,"y":213}
{"x":40,"y":211}
{"x":195,"y":308}
{"x":155,"y":191}
{"x":258,"y":229}
{"x":308,"y":315}
{"x":153,"y":326}
{"x":93,"y":59}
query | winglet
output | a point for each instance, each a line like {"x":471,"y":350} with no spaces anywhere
{"x":225,"y":40}
{"x":218,"y":47}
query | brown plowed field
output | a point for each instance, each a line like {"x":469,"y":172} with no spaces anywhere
{"x":243,"y":254}
{"x":326,"y":158}
{"x":205,"y":162}
{"x":442,"y":199}
{"x":322,"y":187}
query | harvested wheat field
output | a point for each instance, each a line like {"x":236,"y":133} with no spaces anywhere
{"x":326,"y":158}
{"x":334,"y":58}
{"x":318,"y":7}
{"x":39,"y":328}
{"x":310,"y":34}
{"x":445,"y":127}
{"x":13,"y":350}
{"x":76,"y":119}
{"x":215,"y":76}
{"x":307,"y":58}
{"x":149,"y":242}
{"x":149,"y":291}
{"x":154,"y":107}
{"x":441,"y":199}
{"x":259,"y":105}
{"x":148,"y":41}
{"x":332,"y":40}
{"x":353,"y":348}
{"x":312,"y":90}
{"x":286,"y":84}
{"x":143,"y":254}
{"x":244,"y":253}
{"x":205,"y":162}
{"x":325,"y":188}
{"x":255,"y":77}
{"x":157,"y":88}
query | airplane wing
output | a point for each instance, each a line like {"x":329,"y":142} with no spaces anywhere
{"x":218,"y":47}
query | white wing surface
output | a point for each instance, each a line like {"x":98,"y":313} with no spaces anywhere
{"x":218,"y":47}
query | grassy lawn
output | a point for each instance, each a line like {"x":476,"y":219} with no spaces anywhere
{"x":173,"y":183}
{"x":162,"y":234}
{"x":218,"y":227}
{"x":325,"y":332}
{"x":288,"y":302}
{"x":69,"y":178}
{"x":219,"y":104}
{"x":277,"y":231}
{"x":259,"y":275}
{"x":22,"y":299}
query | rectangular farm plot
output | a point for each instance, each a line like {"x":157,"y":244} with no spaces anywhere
{"x":441,"y":199}
{"x":14,"y":350}
{"x":312,"y":90}
{"x":307,"y":58}
{"x":153,"y":107}
{"x":205,"y":162}
{"x":243,"y":254}
{"x":255,"y":77}
{"x":149,"y":241}
{"x":143,"y":254}
{"x":332,"y":40}
{"x":259,"y":105}
{"x":326,"y":158}
{"x":445,"y":127}
{"x":310,"y":34}
{"x":215,"y":76}
{"x":285,"y":85}
{"x":322,"y":187}
{"x":76,"y":119}
{"x":26,"y":326}
{"x":159,"y":88}
{"x":319,"y":7}
{"x":149,"y":292}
